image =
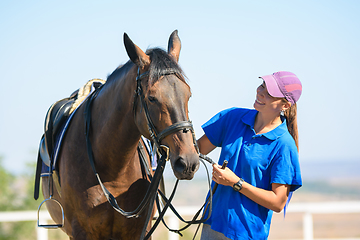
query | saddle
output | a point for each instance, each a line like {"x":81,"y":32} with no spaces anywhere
{"x":56,"y":117}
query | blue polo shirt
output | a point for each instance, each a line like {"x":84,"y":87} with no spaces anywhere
{"x":260,"y":159}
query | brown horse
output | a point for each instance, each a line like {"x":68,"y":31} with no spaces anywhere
{"x":120,"y":114}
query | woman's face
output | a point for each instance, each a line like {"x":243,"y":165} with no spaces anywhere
{"x":265,"y":103}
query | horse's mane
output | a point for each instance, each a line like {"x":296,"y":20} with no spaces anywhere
{"x":161,"y":64}
{"x":121,"y":68}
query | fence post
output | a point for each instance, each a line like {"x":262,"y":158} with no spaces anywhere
{"x":42,"y":233}
{"x":308,"y":226}
{"x":173,"y":224}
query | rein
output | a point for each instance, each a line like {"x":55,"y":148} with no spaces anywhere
{"x":111,"y":199}
{"x":151,"y":194}
{"x":208,"y":203}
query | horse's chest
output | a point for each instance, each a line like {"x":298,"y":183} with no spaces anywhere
{"x":95,"y":197}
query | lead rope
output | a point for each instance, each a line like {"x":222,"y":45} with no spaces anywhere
{"x":193,"y":221}
{"x":162,"y":213}
{"x":211,"y":194}
{"x":168,"y":204}
{"x":208,"y":201}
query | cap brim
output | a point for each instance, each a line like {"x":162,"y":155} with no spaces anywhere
{"x":272,"y":86}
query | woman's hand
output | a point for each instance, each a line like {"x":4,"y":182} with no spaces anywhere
{"x":225,"y":176}
{"x":274,"y":199}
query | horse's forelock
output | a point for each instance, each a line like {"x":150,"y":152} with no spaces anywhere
{"x":162,"y":64}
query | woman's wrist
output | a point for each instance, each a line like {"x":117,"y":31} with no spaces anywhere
{"x":238,"y":185}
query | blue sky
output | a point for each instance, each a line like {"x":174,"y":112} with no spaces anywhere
{"x":48,"y":49}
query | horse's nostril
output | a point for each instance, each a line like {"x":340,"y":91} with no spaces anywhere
{"x":180,"y":165}
{"x":183,"y":167}
{"x":194,"y":167}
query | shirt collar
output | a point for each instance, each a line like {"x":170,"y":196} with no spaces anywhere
{"x":249,"y":119}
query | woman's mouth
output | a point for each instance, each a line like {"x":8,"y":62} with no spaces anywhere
{"x":259,"y":102}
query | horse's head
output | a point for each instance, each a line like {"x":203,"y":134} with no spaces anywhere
{"x":161,"y":104}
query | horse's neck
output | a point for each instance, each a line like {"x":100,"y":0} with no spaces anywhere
{"x":115,"y":132}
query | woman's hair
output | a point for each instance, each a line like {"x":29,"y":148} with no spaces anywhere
{"x":291,"y":120}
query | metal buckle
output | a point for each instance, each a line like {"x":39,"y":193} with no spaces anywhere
{"x":167,"y":150}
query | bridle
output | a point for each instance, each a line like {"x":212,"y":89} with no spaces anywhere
{"x":184,"y":126}
{"x":152,"y":191}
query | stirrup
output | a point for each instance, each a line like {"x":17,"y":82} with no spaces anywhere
{"x":51,"y":226}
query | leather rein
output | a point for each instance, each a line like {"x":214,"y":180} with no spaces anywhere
{"x":151,"y":194}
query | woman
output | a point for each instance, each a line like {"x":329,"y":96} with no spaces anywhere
{"x":261,"y":147}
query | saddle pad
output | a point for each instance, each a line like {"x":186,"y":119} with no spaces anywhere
{"x":85,"y":91}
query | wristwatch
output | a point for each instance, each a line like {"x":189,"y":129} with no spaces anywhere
{"x":238,"y":186}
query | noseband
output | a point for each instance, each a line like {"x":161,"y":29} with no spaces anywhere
{"x":184,"y":126}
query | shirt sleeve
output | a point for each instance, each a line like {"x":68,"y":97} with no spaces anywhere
{"x":215,"y":128}
{"x":286,"y":169}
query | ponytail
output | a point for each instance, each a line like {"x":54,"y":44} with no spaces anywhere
{"x":291,"y":120}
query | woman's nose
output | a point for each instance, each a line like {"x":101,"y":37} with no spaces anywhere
{"x":258,"y":89}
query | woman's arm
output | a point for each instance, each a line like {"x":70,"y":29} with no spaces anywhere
{"x":205,"y":146}
{"x":274,"y":199}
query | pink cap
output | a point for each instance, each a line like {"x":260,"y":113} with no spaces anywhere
{"x":283,"y":85}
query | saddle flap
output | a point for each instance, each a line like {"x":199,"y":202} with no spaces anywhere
{"x":56,"y":117}
{"x":43,"y":152}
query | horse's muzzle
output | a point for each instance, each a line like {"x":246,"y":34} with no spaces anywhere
{"x":185,"y":167}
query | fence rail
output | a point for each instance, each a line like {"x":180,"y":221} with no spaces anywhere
{"x":307,"y":209}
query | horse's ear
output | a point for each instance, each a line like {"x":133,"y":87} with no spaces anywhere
{"x":135,"y":54}
{"x":174,"y":45}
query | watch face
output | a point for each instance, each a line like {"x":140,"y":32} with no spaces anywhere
{"x":236,"y":187}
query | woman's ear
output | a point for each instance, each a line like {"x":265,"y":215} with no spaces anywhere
{"x":286,"y":106}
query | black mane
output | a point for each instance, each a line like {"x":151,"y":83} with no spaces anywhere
{"x":121,"y":68}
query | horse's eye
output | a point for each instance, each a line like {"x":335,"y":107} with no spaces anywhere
{"x":152,"y":99}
